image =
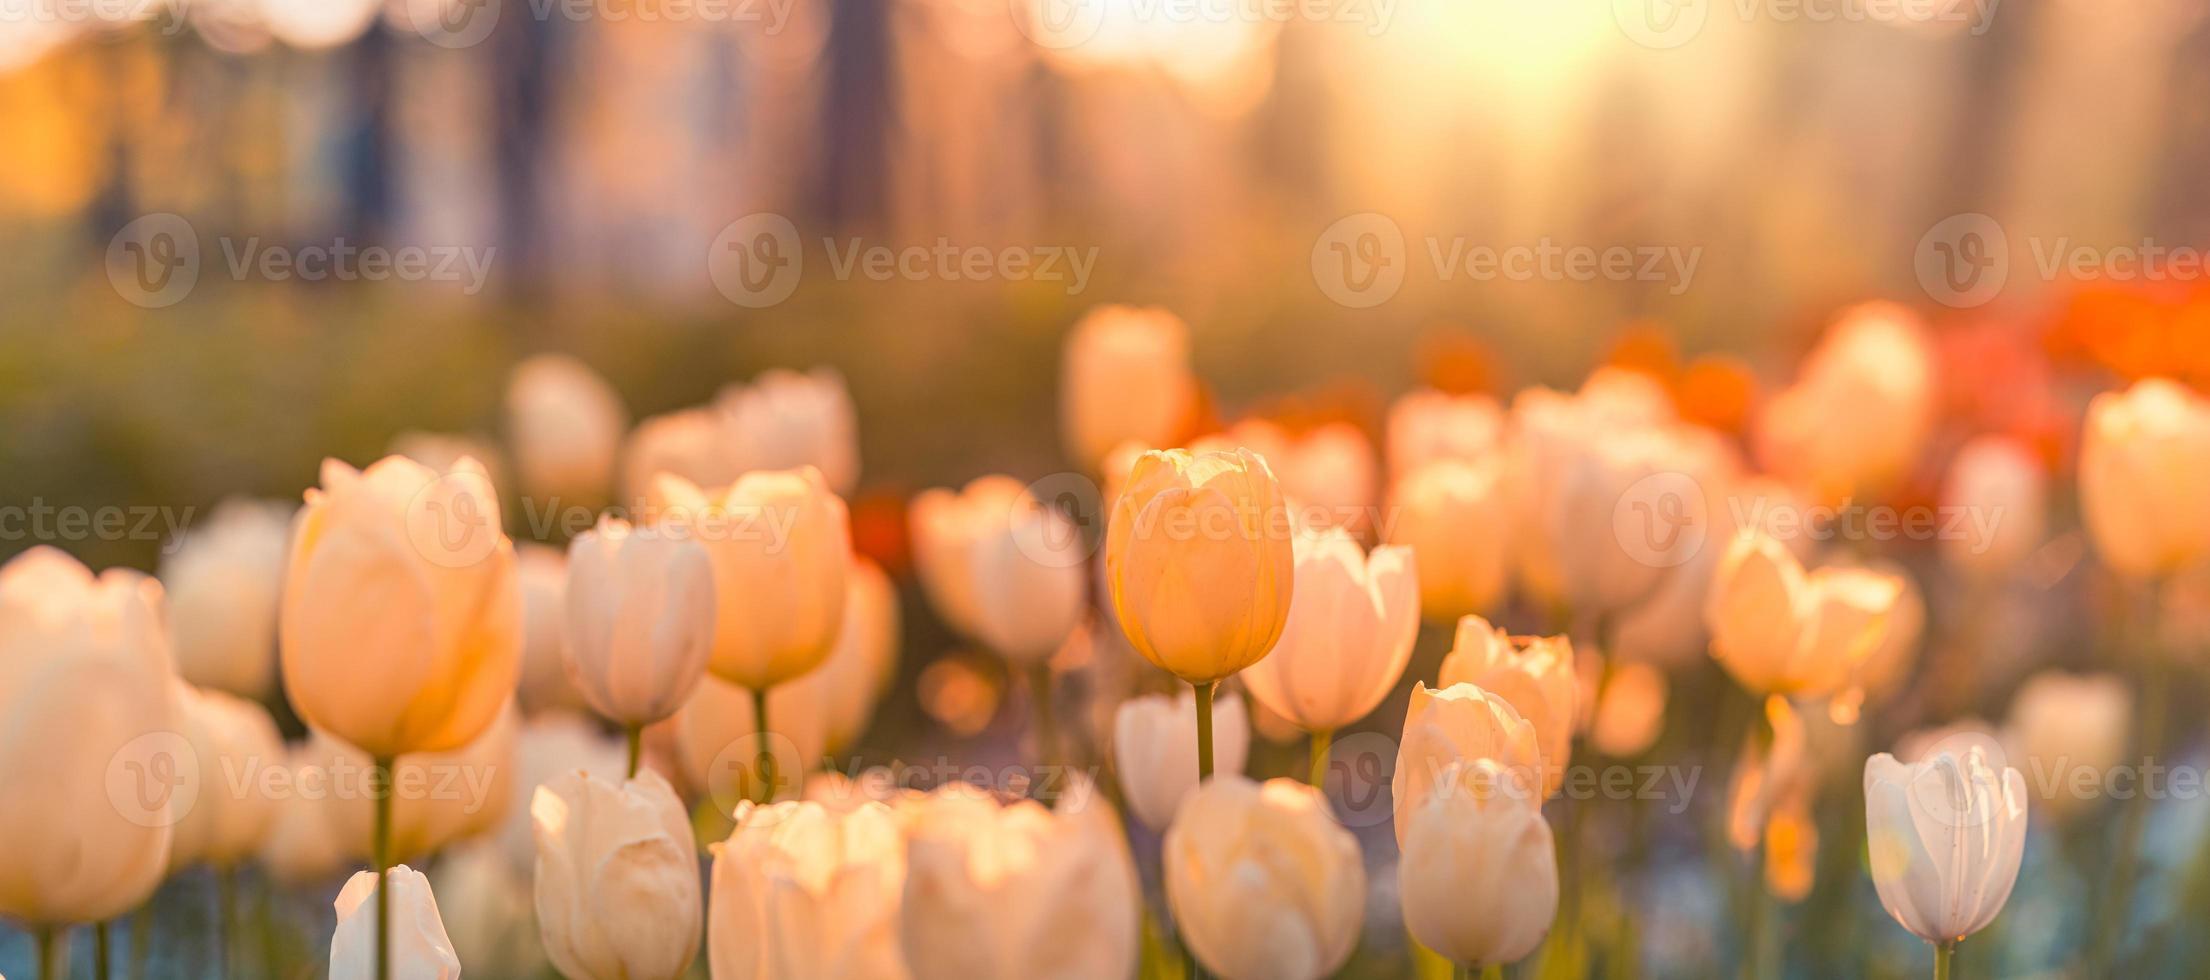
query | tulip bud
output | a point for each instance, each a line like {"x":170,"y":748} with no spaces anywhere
{"x":1199,"y":556}
{"x":223,"y":585}
{"x":1996,"y":483}
{"x":91,"y":716}
{"x":1016,"y":891}
{"x":1479,"y":875}
{"x":232,"y":738}
{"x":402,"y":616}
{"x":779,"y":543}
{"x":617,"y":878}
{"x":841,"y":869}
{"x":1780,"y":631}
{"x":1454,"y":516}
{"x":2069,"y":730}
{"x":2144,"y":473}
{"x":1155,"y":750}
{"x":565,"y":425}
{"x":1352,"y":620}
{"x":1262,"y":881}
{"x":1427,"y":425}
{"x":1944,"y":837}
{"x":1001,"y":567}
{"x":1458,"y":722}
{"x":419,"y":948}
{"x":1534,"y":674}
{"x":1125,"y":376}
{"x":640,"y":620}
{"x":543,"y":573}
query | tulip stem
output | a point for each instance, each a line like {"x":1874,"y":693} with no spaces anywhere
{"x":1204,"y":730}
{"x":226,"y":904}
{"x":49,"y":955}
{"x":1942,"y":953}
{"x":1320,"y":742}
{"x":767,"y":749}
{"x":380,"y":848}
{"x":100,"y":967}
{"x":1039,"y":691}
{"x":141,"y":940}
{"x":636,"y":748}
{"x":2155,"y":688}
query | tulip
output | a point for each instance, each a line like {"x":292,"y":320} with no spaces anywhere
{"x":2069,"y":730}
{"x":88,"y":753}
{"x":785,"y":420}
{"x":1860,"y":412}
{"x":617,"y":878}
{"x":232,"y":738}
{"x":565,"y":424}
{"x":1427,"y":425}
{"x":415,"y":946}
{"x":440,"y":452}
{"x":1998,"y":484}
{"x":1458,"y":722}
{"x":1125,"y":376}
{"x":689,"y":443}
{"x":305,"y":843}
{"x":805,"y":890}
{"x":1479,"y":872}
{"x":1944,"y":837}
{"x":1549,"y":431}
{"x":1778,"y":630}
{"x":1667,"y":627}
{"x":1005,"y":892}
{"x":1262,"y":881}
{"x":1352,"y":620}
{"x":2144,"y":473}
{"x":1155,"y":750}
{"x":1001,"y":567}
{"x":545,"y":686}
{"x":223,"y":583}
{"x":1533,"y":674}
{"x":1454,"y":516}
{"x":640,"y":623}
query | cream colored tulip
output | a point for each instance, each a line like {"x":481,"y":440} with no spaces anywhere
{"x":1479,"y":872}
{"x":1329,"y":474}
{"x":1534,"y":674}
{"x":441,"y":452}
{"x":1352,"y":620}
{"x":1778,"y":630}
{"x":1199,"y":556}
{"x":2144,"y":474}
{"x":1859,"y":413}
{"x":1124,"y":376}
{"x":717,"y":740}
{"x":545,"y":685}
{"x":690,"y":443}
{"x":1944,"y":837}
{"x":2069,"y":730}
{"x":223,"y":584}
{"x":617,"y":877}
{"x":1155,"y":750}
{"x":1550,"y":431}
{"x":438,"y":797}
{"x":1001,"y":567}
{"x":805,"y":890}
{"x":565,"y":424}
{"x":232,"y":810}
{"x":419,"y":948}
{"x":1454,"y":516}
{"x":1457,"y":722}
{"x":89,"y":748}
{"x":779,"y":542}
{"x":786,"y":420}
{"x":1996,"y":482}
{"x":1262,"y":882}
{"x":402,"y":615}
{"x":1008,"y":892}
{"x":640,"y":620}
{"x":307,"y":842}
{"x":1427,"y":425}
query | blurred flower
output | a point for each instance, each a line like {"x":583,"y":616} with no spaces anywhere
{"x":780,"y":543}
{"x":1007,"y":892}
{"x":1717,"y":390}
{"x":1200,"y":561}
{"x":565,"y":424}
{"x":1884,"y":669}
{"x":1779,"y":631}
{"x":1327,"y":474}
{"x":442,"y":451}
{"x":486,"y":905}
{"x":231,"y":812}
{"x":1771,"y":774}
{"x":617,"y":877}
{"x":438,"y":797}
{"x":1534,"y":674}
{"x":305,"y":843}
{"x":2069,"y":730}
{"x":549,"y":745}
{"x":1455,"y":517}
{"x":1631,"y":712}
{"x":1155,"y":750}
{"x":718,"y":739}
{"x":1944,"y":837}
{"x":785,"y":420}
{"x":2144,"y":474}
{"x":688,"y":443}
{"x":1997,"y":482}
{"x":958,"y":694}
{"x":1569,"y":461}
{"x":223,"y":584}
{"x":851,"y":683}
{"x":419,"y":948}
{"x":1860,"y":411}
{"x":545,"y":685}
{"x":1427,"y":425}
{"x":805,"y":890}
{"x":1124,"y":376}
{"x":1001,"y":567}
{"x":640,"y":620}
{"x":1697,"y":507}
{"x":1460,"y":722}
{"x":1262,"y":882}
{"x":1352,"y":620}
{"x":86,"y":681}
{"x":1479,"y":873}
{"x":1791,"y":851}
{"x":402,"y":616}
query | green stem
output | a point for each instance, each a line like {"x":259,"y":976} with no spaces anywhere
{"x":2155,"y":693}
{"x":1039,"y":692}
{"x":1320,"y":742}
{"x":1204,"y":730}
{"x":141,"y":940}
{"x":226,"y":896}
{"x":50,"y":965}
{"x":380,"y":777}
{"x":100,"y":967}
{"x":1942,"y":953}
{"x":636,"y":748}
{"x":1493,"y":971}
{"x":766,"y":761}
